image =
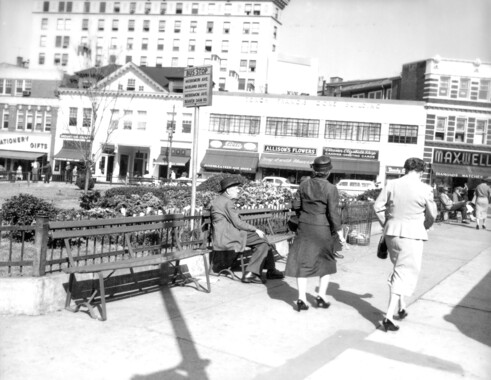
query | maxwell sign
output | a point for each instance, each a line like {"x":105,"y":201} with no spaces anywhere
{"x":455,"y":157}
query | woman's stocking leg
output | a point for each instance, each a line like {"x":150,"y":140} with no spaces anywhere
{"x":323,"y":284}
{"x":302,"y":288}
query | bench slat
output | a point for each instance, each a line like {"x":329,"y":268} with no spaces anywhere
{"x":113,"y":221}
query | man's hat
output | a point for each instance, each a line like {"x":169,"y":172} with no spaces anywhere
{"x":228,"y":182}
{"x":322,"y":164}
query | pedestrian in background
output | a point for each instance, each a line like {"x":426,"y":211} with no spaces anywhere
{"x":47,"y":172}
{"x":68,"y":173}
{"x":74,"y":174}
{"x":35,"y":171}
{"x":402,"y":208}
{"x":482,"y":198}
{"x":19,"y":173}
{"x":312,"y":253}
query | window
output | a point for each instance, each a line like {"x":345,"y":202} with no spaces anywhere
{"x":253,"y":47}
{"x":141,"y":88}
{"x":114,"y":120}
{"x":115,"y":25}
{"x":72,"y":117}
{"x":252,"y":65}
{"x":145,"y":44}
{"x":146,"y":25}
{"x":243,"y":65}
{"x":143,"y":61}
{"x":142,"y":120}
{"x":87,"y":117}
{"x":30,"y":120}
{"x":162,"y":26}
{"x":61,"y":6}
{"x":66,"y":42}
{"x":194,"y":8}
{"x":388,"y":94}
{"x":228,"y":9}
{"x":127,"y":59}
{"x":163,"y":8}
{"x":244,"y":48}
{"x":178,"y":8}
{"x":129,"y":43}
{"x":42,"y":41}
{"x":255,"y":28}
{"x":158,"y":62}
{"x":177,"y":26}
{"x":193,"y":26}
{"x":98,"y":60}
{"x":59,"y":24}
{"x":174,"y":62}
{"x":250,"y":85}
{"x":68,"y":24}
{"x":279,"y":126}
{"x":375,"y":95}
{"x":57,"y":41}
{"x":86,"y":7}
{"x":238,"y":124}
{"x":57,"y":59}
{"x":241,"y":84}
{"x":275,"y":32}
{"x":160,"y":44}
{"x":128,"y":115}
{"x":484,"y":89}
{"x":18,"y":87}
{"x":221,"y":84}
{"x":38,"y":125}
{"x":460,"y":129}
{"x":480,"y":132}
{"x":64,"y":59}
{"x":223,"y":65}
{"x":209,"y":27}
{"x":257,"y":9}
{"x":248,"y":9}
{"x":132,"y":7}
{"x":85,"y":24}
{"x":403,"y":134}
{"x":44,"y":24}
{"x":5,"y":119}
{"x":225,"y":46}
{"x":117,"y":7}
{"x":192,"y":45}
{"x":350,"y":130}
{"x":47,"y":121}
{"x":246,"y":28}
{"x":131,"y":85}
{"x":102,"y":7}
{"x":358,"y":96}
{"x":273,"y":48}
{"x":208,"y":45}
{"x":211,"y":8}
{"x":21,"y":119}
{"x":464,"y":87}
{"x":28,"y":86}
{"x":148,"y":7}
{"x":131,"y":25}
{"x":45,"y":6}
{"x":41,"y":58}
{"x":226,"y":27}
{"x":443,"y":89}
{"x":175,"y":45}
{"x":100,"y":25}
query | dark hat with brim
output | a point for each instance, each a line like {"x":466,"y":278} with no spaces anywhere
{"x":322,"y":164}
{"x":228,"y":182}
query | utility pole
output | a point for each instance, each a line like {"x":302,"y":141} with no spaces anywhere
{"x":170,"y":131}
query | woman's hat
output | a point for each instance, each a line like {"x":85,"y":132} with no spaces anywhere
{"x":488,"y":179}
{"x":228,"y":182}
{"x":322,"y":164}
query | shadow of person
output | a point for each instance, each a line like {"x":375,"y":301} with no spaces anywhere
{"x":282,"y":291}
{"x":357,"y":301}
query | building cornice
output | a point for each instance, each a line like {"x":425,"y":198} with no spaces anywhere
{"x":458,"y":146}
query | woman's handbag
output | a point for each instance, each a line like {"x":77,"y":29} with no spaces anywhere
{"x":292,"y":223}
{"x":382,"y":249}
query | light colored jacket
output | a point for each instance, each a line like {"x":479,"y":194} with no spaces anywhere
{"x":401,"y":207}
{"x":229,"y":232}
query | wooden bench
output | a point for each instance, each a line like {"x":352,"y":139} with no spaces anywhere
{"x":170,"y":225}
{"x":141,"y":181}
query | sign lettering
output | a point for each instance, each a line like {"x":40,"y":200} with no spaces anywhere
{"x":198,"y":86}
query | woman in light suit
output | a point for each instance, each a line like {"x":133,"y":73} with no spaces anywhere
{"x":405,"y":208}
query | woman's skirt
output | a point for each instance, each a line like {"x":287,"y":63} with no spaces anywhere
{"x":482,"y":205}
{"x":311,"y":253}
{"x":406,"y":255}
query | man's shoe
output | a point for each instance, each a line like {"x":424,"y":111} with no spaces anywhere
{"x":251,"y":278}
{"x":274,"y":274}
{"x":337,"y":255}
{"x":465,"y":221}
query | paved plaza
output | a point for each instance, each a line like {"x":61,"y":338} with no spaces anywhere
{"x":252,"y":331}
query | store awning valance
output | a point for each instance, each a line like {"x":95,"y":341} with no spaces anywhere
{"x":347,"y":165}
{"x":175,"y":160}
{"x":66,"y":154}
{"x":228,"y":160}
{"x":17,"y":155}
{"x":283,"y":161}
{"x":442,"y":170}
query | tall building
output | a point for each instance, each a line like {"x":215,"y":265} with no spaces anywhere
{"x":241,"y":35}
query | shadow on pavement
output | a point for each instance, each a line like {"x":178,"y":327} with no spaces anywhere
{"x":191,"y":366}
{"x":356,"y":301}
{"x":469,"y":318}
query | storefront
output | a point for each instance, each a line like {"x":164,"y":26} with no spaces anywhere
{"x":179,"y":159}
{"x":457,"y":167}
{"x":288,"y":162}
{"x":393,"y":172}
{"x":73,"y":151}
{"x":18,"y":151}
{"x":226,"y":156}
{"x":353,"y":163}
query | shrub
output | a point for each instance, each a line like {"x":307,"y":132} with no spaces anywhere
{"x":89,"y":200}
{"x":81,"y":182}
{"x":213,"y":183}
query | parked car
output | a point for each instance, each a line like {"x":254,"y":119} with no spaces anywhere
{"x":279,"y":181}
{"x":355,"y":186}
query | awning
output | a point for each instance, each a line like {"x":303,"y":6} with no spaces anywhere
{"x":442,"y":170}
{"x":20,"y":155}
{"x":238,"y":161}
{"x":284,"y":161}
{"x":69,"y":155}
{"x":347,"y":165}
{"x":175,"y":160}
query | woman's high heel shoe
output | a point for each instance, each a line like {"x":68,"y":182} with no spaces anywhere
{"x":321,"y":303}
{"x":301,"y":306}
{"x":389,"y":326}
{"x":402,"y":314}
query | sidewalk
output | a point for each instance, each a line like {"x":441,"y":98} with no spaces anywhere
{"x":243,"y":331}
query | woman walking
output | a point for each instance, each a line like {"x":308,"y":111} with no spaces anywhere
{"x":312,"y":253}
{"x":405,"y":208}
{"x":482,"y":197}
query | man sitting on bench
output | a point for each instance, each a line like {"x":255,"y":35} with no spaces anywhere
{"x":450,"y":205}
{"x":232,"y":234}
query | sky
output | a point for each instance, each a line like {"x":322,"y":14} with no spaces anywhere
{"x":352,"y":39}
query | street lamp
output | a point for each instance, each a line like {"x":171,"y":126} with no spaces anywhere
{"x":171,"y":128}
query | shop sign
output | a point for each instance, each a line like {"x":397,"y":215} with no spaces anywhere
{"x":181,"y":152}
{"x":233,"y":145}
{"x":25,"y":142}
{"x":290,"y":150}
{"x":461,"y":158}
{"x":74,"y":136}
{"x":351,"y":153}
{"x":395,"y":170}
{"x":198,"y":85}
